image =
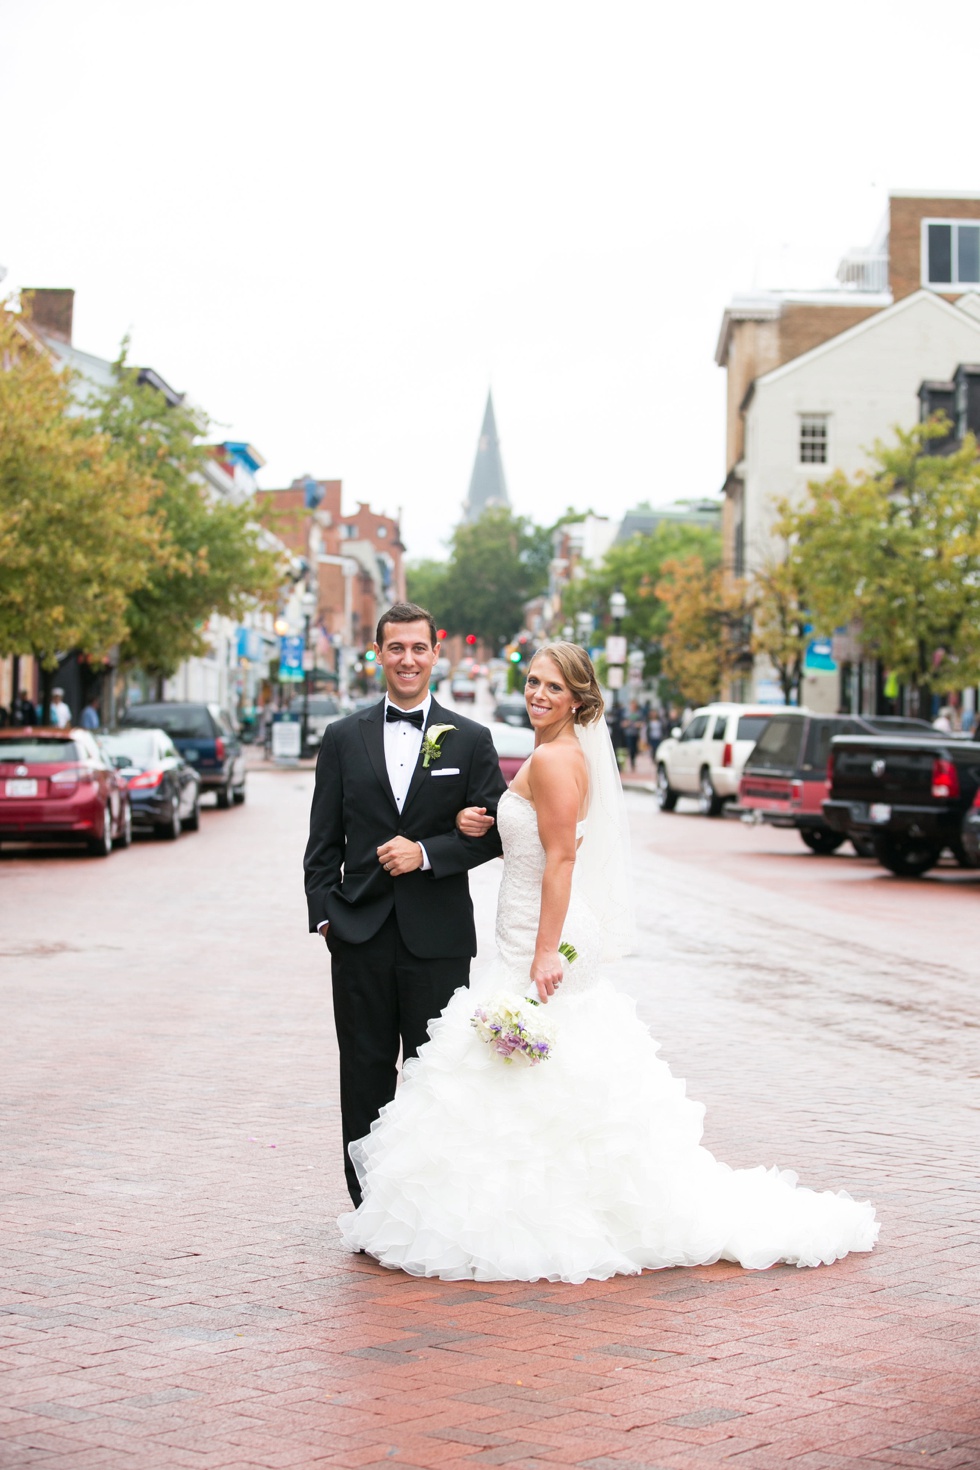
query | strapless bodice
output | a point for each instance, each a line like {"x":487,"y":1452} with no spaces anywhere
{"x":519,"y":903}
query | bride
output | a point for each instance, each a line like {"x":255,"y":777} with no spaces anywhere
{"x":589,"y":1164}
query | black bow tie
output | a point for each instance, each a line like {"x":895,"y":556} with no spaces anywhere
{"x":413,"y":716}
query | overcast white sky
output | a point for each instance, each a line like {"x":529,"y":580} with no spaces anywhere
{"x":335,"y":224}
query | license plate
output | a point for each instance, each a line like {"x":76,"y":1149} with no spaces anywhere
{"x":22,"y":788}
{"x":880,"y":811}
{"x":192,"y":755}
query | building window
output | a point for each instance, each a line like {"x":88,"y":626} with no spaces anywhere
{"x":813,"y":438}
{"x":950,"y":252}
{"x":382,"y":532}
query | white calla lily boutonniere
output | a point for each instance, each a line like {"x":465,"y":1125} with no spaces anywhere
{"x":432,"y":744}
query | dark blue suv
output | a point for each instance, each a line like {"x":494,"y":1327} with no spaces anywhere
{"x":206,"y":738}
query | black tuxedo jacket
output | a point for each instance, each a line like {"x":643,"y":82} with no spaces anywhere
{"x":354,"y":812}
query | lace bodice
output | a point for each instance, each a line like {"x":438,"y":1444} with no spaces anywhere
{"x":519,"y":903}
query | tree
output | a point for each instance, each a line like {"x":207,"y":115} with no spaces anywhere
{"x":216,"y":562}
{"x":425,"y":583}
{"x":898,"y":550}
{"x":635,"y":568}
{"x":781,"y":628}
{"x":705,"y":637}
{"x":495,"y":566}
{"x":80,"y":527}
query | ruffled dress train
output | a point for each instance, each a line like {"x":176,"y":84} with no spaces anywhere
{"x":585,"y":1166}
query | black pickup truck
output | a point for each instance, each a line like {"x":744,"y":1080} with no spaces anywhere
{"x":908,"y":795}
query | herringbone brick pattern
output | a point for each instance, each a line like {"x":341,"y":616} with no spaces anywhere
{"x":173,"y":1294}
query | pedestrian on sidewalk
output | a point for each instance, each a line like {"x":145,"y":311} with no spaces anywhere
{"x":90,"y":715}
{"x":24,"y":712}
{"x":632,"y":726}
{"x":60,"y":713}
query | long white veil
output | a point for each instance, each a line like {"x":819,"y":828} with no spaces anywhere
{"x":603,"y":869}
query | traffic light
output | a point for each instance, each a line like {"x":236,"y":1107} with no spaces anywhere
{"x":370,"y":656}
{"x":440,"y":635}
{"x":515,"y":656}
{"x":471,"y":639}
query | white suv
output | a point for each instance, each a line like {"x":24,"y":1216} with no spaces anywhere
{"x":706,"y":758}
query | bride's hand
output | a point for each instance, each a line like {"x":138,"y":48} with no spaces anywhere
{"x":546,"y":972}
{"x":473,"y":821}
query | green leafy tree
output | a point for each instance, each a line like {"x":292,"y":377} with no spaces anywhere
{"x":496,"y":564}
{"x":897,"y":550}
{"x":80,"y":527}
{"x":216,"y":562}
{"x":635,"y":568}
{"x":425,"y":583}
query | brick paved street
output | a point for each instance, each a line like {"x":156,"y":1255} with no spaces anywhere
{"x":173,"y":1291}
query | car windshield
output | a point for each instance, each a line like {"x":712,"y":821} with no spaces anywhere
{"x":39,"y":751}
{"x":323,"y":706}
{"x":779,"y":744}
{"x":750,"y":727}
{"x":137,"y":745}
{"x":895,"y":725}
{"x":181,"y":721}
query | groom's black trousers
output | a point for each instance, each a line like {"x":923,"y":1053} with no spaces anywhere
{"x":383,"y":997}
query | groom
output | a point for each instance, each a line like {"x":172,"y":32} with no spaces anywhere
{"x":386,"y":868}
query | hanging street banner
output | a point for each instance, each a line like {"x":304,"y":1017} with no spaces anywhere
{"x":291,"y":659}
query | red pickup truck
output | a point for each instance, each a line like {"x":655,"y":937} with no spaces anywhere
{"x":785,"y":778}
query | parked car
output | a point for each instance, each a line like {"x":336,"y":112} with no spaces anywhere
{"x":164,"y":789}
{"x":59,"y":786}
{"x":206,"y":736}
{"x":462,"y":689}
{"x":785,"y":778}
{"x":910,"y":796}
{"x":513,"y":744}
{"x":970,"y":833}
{"x":322,"y":710}
{"x":706,"y":758}
{"x":510,"y":709}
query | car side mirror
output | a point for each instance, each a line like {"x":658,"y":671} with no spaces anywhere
{"x":676,"y":733}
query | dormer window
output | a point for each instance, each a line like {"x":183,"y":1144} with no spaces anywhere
{"x":950,"y":253}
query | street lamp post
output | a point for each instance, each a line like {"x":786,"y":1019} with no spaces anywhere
{"x":616,"y":646}
{"x":308,"y":604}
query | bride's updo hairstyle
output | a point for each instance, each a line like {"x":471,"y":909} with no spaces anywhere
{"x":578,"y":673}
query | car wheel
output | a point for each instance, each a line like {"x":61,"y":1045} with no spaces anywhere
{"x":709,"y":802}
{"x":908,"y":857}
{"x":172,"y":829}
{"x":666,"y":795}
{"x":224,"y":796}
{"x":822,"y":842}
{"x":239,"y":794}
{"x":102,"y":846}
{"x":960,"y":854}
{"x":863,"y":846}
{"x":193,"y":822}
{"x":125,"y":837}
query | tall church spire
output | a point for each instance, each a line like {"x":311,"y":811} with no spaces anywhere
{"x":488,"y":488}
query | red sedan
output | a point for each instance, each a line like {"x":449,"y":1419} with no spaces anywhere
{"x":59,"y":786}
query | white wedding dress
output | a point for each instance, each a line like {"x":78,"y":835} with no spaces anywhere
{"x":585,"y":1166}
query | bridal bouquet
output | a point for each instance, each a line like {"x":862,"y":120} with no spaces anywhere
{"x":511,"y":1029}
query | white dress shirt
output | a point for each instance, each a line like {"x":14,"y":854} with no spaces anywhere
{"x":403,"y":743}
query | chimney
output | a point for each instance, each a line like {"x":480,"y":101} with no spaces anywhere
{"x":50,"y":310}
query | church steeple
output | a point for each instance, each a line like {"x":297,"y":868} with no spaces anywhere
{"x":488,"y":488}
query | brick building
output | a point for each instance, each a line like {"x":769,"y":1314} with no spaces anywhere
{"x":356,"y":562}
{"x":815,"y":377}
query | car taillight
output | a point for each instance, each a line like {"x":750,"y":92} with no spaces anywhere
{"x":796,"y":793}
{"x":945,"y":781}
{"x":726,"y":755}
{"x":72,"y":776}
{"x":219,"y":748}
{"x":145,"y":781}
{"x":976,"y":800}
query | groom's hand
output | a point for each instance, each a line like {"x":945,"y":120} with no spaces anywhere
{"x":400,"y":856}
{"x":473,"y":821}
